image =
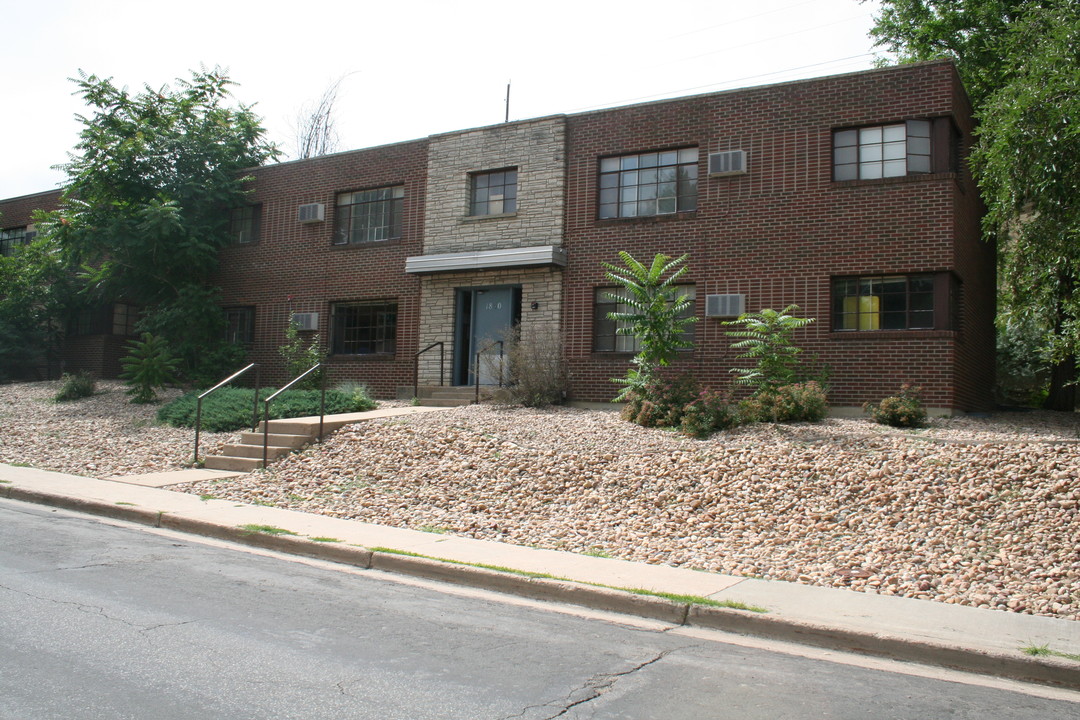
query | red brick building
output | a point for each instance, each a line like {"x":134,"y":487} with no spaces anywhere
{"x":847,"y":195}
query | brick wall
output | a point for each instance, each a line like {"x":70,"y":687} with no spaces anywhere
{"x":780,"y":232}
{"x":294,"y":267}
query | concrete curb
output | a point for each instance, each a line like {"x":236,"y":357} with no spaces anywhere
{"x":1042,"y":670}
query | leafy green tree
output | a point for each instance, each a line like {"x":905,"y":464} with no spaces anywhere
{"x":768,"y":338}
{"x":300,"y":357}
{"x":36,"y":293}
{"x":150,"y":183}
{"x":1019,"y":62}
{"x":656,"y":314}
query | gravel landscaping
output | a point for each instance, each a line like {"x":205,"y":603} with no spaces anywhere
{"x":975,"y":511}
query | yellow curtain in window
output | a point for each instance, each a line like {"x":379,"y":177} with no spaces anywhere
{"x":862,"y":312}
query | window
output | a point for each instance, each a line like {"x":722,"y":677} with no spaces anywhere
{"x":10,"y":239}
{"x":605,"y":337}
{"x":240,"y":325}
{"x":884,"y":302}
{"x":124,"y":317}
{"x":658,"y":183}
{"x":882,"y":151}
{"x":364,"y":328}
{"x":494,"y":193}
{"x":244,"y":224}
{"x":110,"y":319}
{"x":369,"y":215}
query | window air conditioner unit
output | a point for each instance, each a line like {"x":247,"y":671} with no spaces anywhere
{"x":306,"y":321}
{"x":729,"y":162}
{"x":243,"y":237}
{"x":725,"y":305}
{"x":311,"y":213}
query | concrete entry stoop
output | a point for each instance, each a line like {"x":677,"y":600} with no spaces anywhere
{"x":454,"y":396}
{"x":292,"y":434}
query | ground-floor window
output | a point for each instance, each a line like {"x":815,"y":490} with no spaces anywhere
{"x":364,"y":328}
{"x":884,"y":302}
{"x":605,"y":335}
{"x":109,"y":319}
{"x":240,"y":325}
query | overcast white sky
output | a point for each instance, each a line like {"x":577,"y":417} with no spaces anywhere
{"x":413,"y":68}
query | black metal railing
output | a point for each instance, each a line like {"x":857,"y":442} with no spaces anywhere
{"x":267,"y":401}
{"x":476,"y":368}
{"x":226,"y":381}
{"x":416,"y":366}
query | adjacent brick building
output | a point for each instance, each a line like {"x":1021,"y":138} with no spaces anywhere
{"x":847,"y":195}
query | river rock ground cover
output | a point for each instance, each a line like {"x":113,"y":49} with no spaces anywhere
{"x":975,"y":511}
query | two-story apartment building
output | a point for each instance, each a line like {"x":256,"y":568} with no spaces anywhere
{"x":847,"y":195}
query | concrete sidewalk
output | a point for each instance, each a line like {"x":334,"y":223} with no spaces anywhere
{"x":983,"y":641}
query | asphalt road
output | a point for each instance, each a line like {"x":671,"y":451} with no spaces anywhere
{"x":107,"y":620}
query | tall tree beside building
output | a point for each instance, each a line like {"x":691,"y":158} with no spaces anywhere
{"x":150,"y":183}
{"x":1018,"y":60}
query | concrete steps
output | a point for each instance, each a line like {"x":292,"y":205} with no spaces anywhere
{"x":292,"y":434}
{"x":285,"y":436}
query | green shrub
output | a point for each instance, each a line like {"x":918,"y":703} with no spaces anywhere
{"x":299,"y":358}
{"x":75,"y":387}
{"x":660,"y":401}
{"x":359,"y":395}
{"x":147,"y":368}
{"x":230,"y":408}
{"x":798,"y":402}
{"x":709,"y":412}
{"x":904,"y":409}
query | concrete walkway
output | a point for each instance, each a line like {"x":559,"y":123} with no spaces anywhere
{"x":971,"y":639}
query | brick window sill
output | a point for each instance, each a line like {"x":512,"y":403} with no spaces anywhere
{"x":371,"y":357}
{"x":648,"y":219}
{"x":369,"y":244}
{"x":902,"y":179}
{"x":877,"y":335}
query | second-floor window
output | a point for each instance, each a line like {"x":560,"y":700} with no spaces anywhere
{"x":244,"y":224}
{"x":656,"y":183}
{"x":494,"y":193}
{"x":369,"y":215}
{"x":11,"y":239}
{"x":882,"y":151}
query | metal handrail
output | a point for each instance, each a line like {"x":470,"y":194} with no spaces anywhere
{"x":476,"y":369}
{"x":267,"y":401}
{"x":226,"y":381}
{"x":416,"y":366}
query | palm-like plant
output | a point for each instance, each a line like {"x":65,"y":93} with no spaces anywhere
{"x":656,"y":314}
{"x":768,"y":338}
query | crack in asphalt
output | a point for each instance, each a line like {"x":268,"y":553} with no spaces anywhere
{"x":593,"y":688}
{"x":96,"y":610}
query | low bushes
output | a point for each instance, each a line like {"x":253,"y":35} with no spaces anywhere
{"x":231,"y":408}
{"x":75,"y":387}
{"x":904,"y":409}
{"x":679,"y":403}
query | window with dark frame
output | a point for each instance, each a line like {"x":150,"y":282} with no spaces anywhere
{"x":882,"y":151}
{"x":494,"y":192}
{"x":10,"y":239}
{"x":240,"y":325}
{"x":605,"y":335}
{"x":107,"y":319}
{"x":367,"y":216}
{"x":655,"y":183}
{"x":364,"y":328}
{"x":884,"y":302}
{"x":244,"y":224}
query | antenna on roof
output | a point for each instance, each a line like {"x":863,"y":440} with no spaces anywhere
{"x":507,"y":102}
